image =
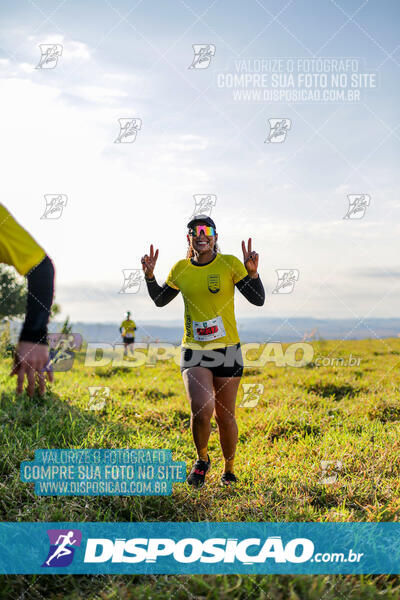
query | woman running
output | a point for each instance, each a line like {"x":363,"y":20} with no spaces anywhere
{"x":211,"y":359}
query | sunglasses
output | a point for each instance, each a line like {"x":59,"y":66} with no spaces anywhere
{"x":197,"y":229}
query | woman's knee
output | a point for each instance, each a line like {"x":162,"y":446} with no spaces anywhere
{"x":225,"y":419}
{"x":202,"y":415}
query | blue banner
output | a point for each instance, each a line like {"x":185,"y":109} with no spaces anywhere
{"x":213,"y":548}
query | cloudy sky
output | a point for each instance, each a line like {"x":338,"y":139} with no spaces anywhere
{"x":131,"y":60}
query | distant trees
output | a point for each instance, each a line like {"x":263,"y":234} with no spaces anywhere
{"x":13,"y":297}
{"x":13,"y":293}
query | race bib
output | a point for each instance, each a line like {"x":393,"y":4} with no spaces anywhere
{"x":204,"y":331}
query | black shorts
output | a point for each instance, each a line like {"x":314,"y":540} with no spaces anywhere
{"x":222,"y":362}
{"x":128,"y":340}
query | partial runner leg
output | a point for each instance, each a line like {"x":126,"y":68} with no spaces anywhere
{"x":199,"y":389}
{"x":225,"y":400}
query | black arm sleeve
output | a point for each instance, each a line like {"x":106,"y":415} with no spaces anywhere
{"x":160,"y":294}
{"x":252,"y":290}
{"x":40,"y":298}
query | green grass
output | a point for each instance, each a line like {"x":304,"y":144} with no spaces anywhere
{"x":305,"y":416}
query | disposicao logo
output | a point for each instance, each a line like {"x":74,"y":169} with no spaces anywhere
{"x":190,"y":550}
{"x":62,"y":547}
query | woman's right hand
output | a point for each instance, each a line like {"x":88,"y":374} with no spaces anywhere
{"x":149,"y":262}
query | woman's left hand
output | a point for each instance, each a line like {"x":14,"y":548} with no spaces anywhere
{"x":250,"y":258}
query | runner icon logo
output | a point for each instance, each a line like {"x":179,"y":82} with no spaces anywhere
{"x":62,"y":350}
{"x":132,"y":281}
{"x":358,"y":204}
{"x":203,"y":204}
{"x":49,"y":55}
{"x":203,"y":54}
{"x":61,"y":551}
{"x":128,"y":129}
{"x":213,"y":283}
{"x":286,"y":281}
{"x":278,"y":129}
{"x":55,"y":203}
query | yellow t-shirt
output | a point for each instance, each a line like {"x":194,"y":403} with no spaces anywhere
{"x":17,"y":246}
{"x":208,"y":293}
{"x":128,"y":328}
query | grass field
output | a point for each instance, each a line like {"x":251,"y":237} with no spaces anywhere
{"x":346,"y":415}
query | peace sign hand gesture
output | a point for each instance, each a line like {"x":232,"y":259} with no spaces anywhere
{"x":250,"y":259}
{"x":149,"y":262}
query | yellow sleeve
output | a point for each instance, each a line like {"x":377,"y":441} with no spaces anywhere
{"x":17,"y":246}
{"x":238,"y":270}
{"x":172,"y":277}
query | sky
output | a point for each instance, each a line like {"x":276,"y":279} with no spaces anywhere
{"x":129,"y":60}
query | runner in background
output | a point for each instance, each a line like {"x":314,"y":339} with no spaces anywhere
{"x":127,"y":330}
{"x":19,"y":249}
{"x":211,"y":359}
